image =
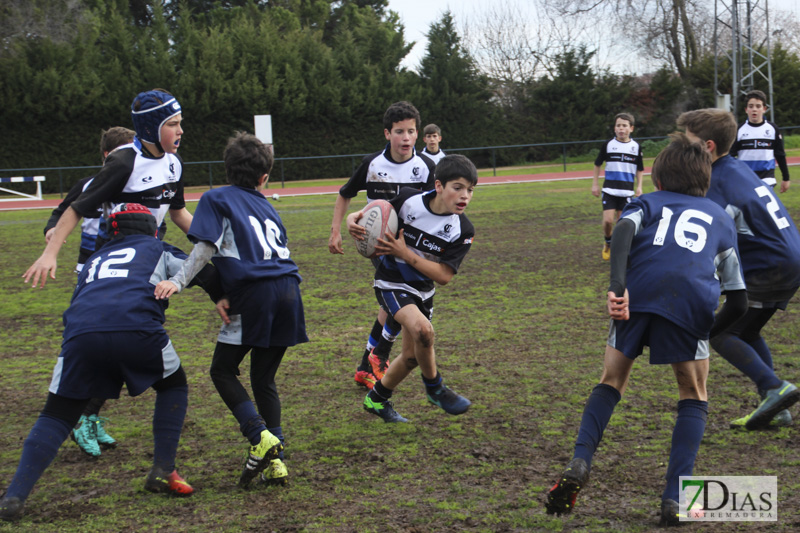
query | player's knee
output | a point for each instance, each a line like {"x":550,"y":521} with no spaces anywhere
{"x":425,"y":334}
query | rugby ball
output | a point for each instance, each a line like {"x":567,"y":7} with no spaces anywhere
{"x":379,"y":217}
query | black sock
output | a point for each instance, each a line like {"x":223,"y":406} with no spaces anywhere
{"x":379,"y":393}
{"x":433,"y":384}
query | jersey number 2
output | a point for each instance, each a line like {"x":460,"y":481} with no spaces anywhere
{"x":269,"y":238}
{"x":772,"y":206}
{"x":683,"y":226}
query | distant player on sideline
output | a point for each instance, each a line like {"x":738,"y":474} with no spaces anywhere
{"x":382,"y":174}
{"x":434,"y":236}
{"x":672,"y":234}
{"x":624,"y":168}
{"x":432,"y":135}
{"x":239,"y":230}
{"x":759,"y":143}
{"x":147,"y":171}
{"x":106,"y":345}
{"x":769,"y":245}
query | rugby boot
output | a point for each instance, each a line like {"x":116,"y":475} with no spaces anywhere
{"x":384,"y":409}
{"x":449,"y":401}
{"x":670,"y":513}
{"x":378,"y":364}
{"x":103,"y":439}
{"x":11,"y":509}
{"x":275,"y":473}
{"x":260,"y":456}
{"x":160,"y":482}
{"x":781,"y":420}
{"x":85,"y":436}
{"x":606,"y":252}
{"x":561,"y":498}
{"x":776,"y":400}
{"x":365,"y":378}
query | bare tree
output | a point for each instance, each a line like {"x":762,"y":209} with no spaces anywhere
{"x":57,"y":20}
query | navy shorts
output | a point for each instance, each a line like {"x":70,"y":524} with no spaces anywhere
{"x":669,"y":343}
{"x":266,"y":313}
{"x":95,"y":365}
{"x":617,"y":203}
{"x":392,"y":301}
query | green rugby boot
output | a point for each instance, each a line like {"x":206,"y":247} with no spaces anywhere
{"x":103,"y":439}
{"x":776,"y":400}
{"x":85,"y":436}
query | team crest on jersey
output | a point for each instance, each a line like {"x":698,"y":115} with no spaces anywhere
{"x":445,"y":232}
{"x":415,"y":171}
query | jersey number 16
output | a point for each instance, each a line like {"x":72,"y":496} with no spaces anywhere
{"x":683,"y":227}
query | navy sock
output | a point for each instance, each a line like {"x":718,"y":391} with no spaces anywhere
{"x":596,"y":414}
{"x":251,"y":423}
{"x":372,"y":341}
{"x":686,"y":437}
{"x":168,"y":417}
{"x":278,"y":432}
{"x":38,"y":452}
{"x":741,"y":355}
{"x":761,"y":348}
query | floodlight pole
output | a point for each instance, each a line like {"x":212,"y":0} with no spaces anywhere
{"x":738,"y":63}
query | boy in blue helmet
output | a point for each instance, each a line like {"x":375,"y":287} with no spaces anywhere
{"x":128,"y":346}
{"x":147,"y":171}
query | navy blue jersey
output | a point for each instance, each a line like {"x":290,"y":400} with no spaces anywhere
{"x":249,"y":236}
{"x":683,"y":253}
{"x":129,"y":174}
{"x":382,"y":177}
{"x":769,"y":244}
{"x":115,"y":289}
{"x":623,"y":161}
{"x":439,"y":238}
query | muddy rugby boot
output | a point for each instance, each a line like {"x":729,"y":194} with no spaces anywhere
{"x":260,"y":456}
{"x":85,"y":436}
{"x":275,"y":473}
{"x":378,"y":365}
{"x":103,"y":439}
{"x":384,"y":409}
{"x":776,"y":400}
{"x":561,"y":498}
{"x":449,"y":401}
{"x":160,"y":482}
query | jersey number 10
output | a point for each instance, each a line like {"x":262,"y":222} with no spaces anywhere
{"x":269,"y":238}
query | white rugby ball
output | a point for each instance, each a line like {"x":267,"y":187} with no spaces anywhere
{"x":379,"y":217}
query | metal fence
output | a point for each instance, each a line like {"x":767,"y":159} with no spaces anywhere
{"x":483,"y":156}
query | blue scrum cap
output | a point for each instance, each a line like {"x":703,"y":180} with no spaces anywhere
{"x":155,"y":108}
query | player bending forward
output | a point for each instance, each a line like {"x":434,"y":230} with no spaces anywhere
{"x":127,"y":344}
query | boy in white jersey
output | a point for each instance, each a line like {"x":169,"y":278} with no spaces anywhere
{"x":433,"y":239}
{"x":432,"y":135}
{"x":382,"y":175}
{"x":624,"y":166}
{"x":759,"y":144}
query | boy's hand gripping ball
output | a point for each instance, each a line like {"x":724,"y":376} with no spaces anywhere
{"x":379,"y":217}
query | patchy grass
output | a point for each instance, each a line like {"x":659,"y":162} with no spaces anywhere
{"x":520,"y":331}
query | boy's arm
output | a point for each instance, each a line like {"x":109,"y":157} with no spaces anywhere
{"x":596,"y":181}
{"x":438,"y":272}
{"x":46,"y":264}
{"x":639,"y":175}
{"x":733,"y":309}
{"x":335,"y":240}
{"x":621,"y":240}
{"x":197,"y":260}
{"x":182,"y":218}
{"x":780,"y":158}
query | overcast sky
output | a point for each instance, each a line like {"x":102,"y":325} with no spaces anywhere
{"x":417,"y":16}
